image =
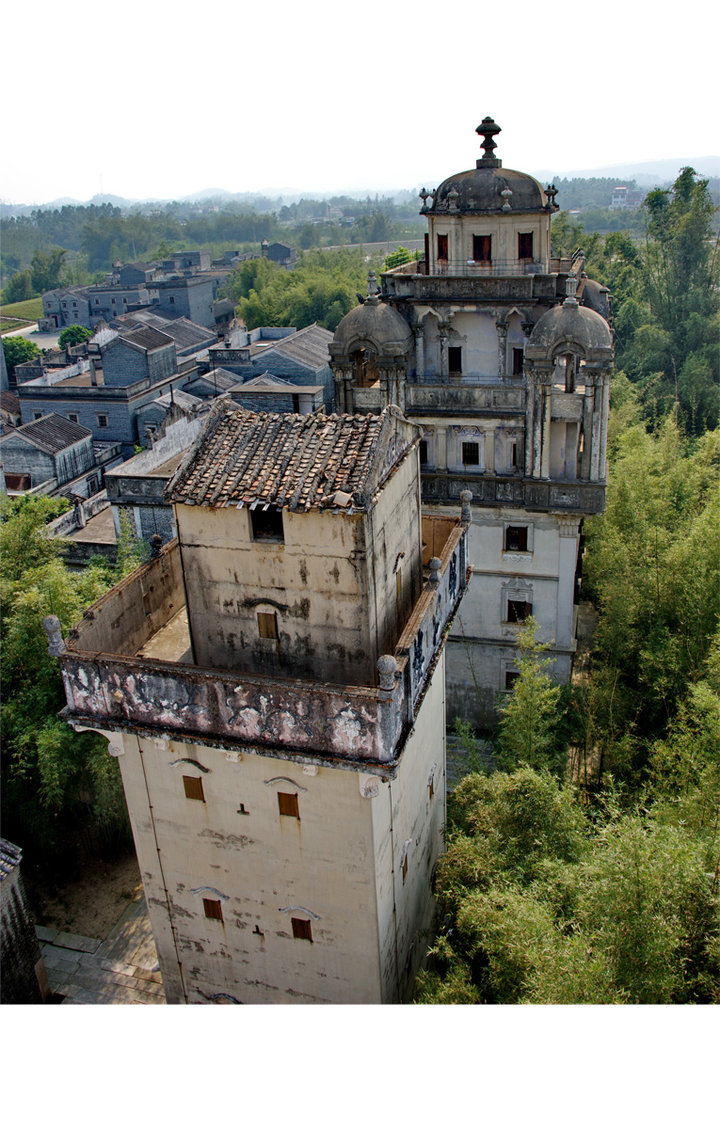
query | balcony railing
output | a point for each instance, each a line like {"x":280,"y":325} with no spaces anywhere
{"x":493,"y":268}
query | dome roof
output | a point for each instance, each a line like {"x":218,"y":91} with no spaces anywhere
{"x":489,"y":188}
{"x":376,"y":324}
{"x":481,"y":190}
{"x":573,"y":325}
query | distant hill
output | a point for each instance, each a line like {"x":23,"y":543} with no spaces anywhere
{"x":646,"y":173}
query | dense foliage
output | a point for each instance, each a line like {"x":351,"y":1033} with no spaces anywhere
{"x":61,"y":792}
{"x":321,"y":288}
{"x":17,"y":350}
{"x":609,"y":894}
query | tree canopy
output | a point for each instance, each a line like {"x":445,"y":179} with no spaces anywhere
{"x":17,"y":350}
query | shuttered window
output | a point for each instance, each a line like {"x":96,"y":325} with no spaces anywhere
{"x":213,"y":908}
{"x":288,"y":804}
{"x":302,"y":930}
{"x":267,"y":625}
{"x":194,"y":788}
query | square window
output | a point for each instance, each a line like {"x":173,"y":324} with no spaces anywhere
{"x":194,"y":788}
{"x":423,"y":452}
{"x":302,"y":930}
{"x":288,"y":804}
{"x":471,"y":454}
{"x":518,"y":611}
{"x":518,"y":357}
{"x":267,"y":625}
{"x":516,"y":538}
{"x":525,"y":245}
{"x":102,"y":421}
{"x":442,"y":247}
{"x":455,"y":359}
{"x":213,"y":908}
{"x":73,"y":418}
{"x":482,"y":248}
{"x":267,"y":524}
{"x":511,"y":677}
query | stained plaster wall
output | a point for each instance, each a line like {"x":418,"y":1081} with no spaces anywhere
{"x":338,"y":866}
{"x":481,"y":646}
{"x":332,"y":584}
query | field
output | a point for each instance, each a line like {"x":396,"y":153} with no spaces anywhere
{"x":17,"y":315}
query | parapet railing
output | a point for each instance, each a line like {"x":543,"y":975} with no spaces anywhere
{"x":109,"y":687}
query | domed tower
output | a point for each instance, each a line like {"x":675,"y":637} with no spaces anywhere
{"x":488,"y":218}
{"x":370,"y":354}
{"x":502,"y":354}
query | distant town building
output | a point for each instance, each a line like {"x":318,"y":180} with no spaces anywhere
{"x":623,"y":197}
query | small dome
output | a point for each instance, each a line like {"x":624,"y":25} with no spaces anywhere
{"x":573,"y":325}
{"x":481,"y":190}
{"x":376,"y":324}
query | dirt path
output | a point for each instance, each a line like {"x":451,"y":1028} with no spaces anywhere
{"x":91,"y":905}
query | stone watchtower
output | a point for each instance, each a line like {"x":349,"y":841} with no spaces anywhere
{"x":502,"y":354}
{"x":273,"y":686}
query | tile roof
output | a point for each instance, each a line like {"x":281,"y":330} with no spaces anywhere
{"x":185,"y":333}
{"x":309,"y":346}
{"x":293,"y":461}
{"x":218,"y":379}
{"x":10,"y":856}
{"x":147,"y":338}
{"x":52,"y":433}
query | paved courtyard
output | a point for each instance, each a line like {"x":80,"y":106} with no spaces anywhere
{"x":121,"y":969}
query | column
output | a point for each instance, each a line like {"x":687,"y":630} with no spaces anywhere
{"x":546,"y":419}
{"x":502,"y":330}
{"x":567,"y":562}
{"x":419,"y":351}
{"x":605,"y":413}
{"x":489,"y":437}
{"x":441,"y":448}
{"x":596,"y":428}
{"x":529,"y":423}
{"x":443,"y":354}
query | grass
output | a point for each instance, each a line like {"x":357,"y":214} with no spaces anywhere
{"x":29,"y":310}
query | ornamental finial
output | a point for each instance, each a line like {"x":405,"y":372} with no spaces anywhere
{"x":488,"y":129}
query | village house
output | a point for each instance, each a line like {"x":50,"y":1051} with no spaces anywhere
{"x":53,"y":455}
{"x":104,"y":391}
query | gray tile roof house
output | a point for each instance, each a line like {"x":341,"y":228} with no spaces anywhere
{"x":299,"y":356}
{"x":51,"y":452}
{"x":269,"y":393}
{"x":189,"y":337}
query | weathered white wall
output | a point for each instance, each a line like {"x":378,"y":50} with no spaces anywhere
{"x":340,"y":862}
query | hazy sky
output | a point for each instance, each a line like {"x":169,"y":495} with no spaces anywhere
{"x":161,"y":100}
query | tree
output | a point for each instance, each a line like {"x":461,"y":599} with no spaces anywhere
{"x":61,"y":792}
{"x":541,"y":905}
{"x":19,"y":288}
{"x":529,"y":719}
{"x":397,"y":258}
{"x":17,"y":350}
{"x":45,"y":269}
{"x":74,"y":335}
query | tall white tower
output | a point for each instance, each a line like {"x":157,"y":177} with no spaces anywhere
{"x":273,"y":686}
{"x":502,"y":354}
